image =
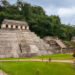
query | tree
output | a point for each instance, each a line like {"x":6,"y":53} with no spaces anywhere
{"x":26,"y":10}
{"x":40,"y":23}
{"x":19,"y":4}
{"x":38,"y":10}
{"x":4,"y":3}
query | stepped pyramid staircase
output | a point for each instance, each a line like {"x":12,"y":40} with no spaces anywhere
{"x":16,"y":43}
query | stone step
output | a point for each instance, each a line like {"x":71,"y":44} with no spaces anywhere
{"x":13,"y":39}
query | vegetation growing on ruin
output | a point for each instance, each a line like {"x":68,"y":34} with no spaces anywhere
{"x":70,"y":44}
{"x":40,"y":23}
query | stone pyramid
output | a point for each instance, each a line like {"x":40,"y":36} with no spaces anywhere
{"x":16,"y":40}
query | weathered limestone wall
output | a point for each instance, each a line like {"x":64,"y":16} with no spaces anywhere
{"x":8,"y":44}
{"x":16,"y":43}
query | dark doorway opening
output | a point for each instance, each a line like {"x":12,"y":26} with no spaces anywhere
{"x":16,"y":27}
{"x":6,"y":26}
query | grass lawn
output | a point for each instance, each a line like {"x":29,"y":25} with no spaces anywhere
{"x":53,"y":56}
{"x":30,"y":68}
{"x":57,"y":56}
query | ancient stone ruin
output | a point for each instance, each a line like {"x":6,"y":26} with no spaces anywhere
{"x":16,"y":40}
{"x":56,"y":44}
{"x":73,"y":39}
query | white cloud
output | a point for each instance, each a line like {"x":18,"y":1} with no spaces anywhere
{"x":66,"y":11}
{"x":51,"y":10}
{"x":67,"y":15}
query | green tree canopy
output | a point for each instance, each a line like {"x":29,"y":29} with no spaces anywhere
{"x":40,"y":23}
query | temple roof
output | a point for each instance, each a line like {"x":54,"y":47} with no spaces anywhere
{"x":14,"y":22}
{"x":60,"y":43}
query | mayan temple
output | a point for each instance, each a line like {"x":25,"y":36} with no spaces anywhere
{"x":16,"y":40}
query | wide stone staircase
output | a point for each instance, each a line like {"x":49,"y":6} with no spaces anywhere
{"x":16,"y":43}
{"x":36,"y":44}
{"x":8,"y":44}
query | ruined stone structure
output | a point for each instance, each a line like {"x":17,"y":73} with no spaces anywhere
{"x":73,"y":39}
{"x":16,"y":40}
{"x":57,"y":45}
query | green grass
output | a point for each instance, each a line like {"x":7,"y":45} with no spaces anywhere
{"x":30,"y":68}
{"x":57,"y":57}
{"x":53,"y":56}
{"x":11,"y":58}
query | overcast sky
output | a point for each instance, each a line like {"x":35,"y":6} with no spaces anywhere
{"x":65,"y":9}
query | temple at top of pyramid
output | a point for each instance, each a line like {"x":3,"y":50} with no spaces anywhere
{"x":16,"y":40}
{"x":13,"y":24}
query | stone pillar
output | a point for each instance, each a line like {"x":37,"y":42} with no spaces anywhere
{"x":23,"y":27}
{"x":9,"y":26}
{"x":14,"y":27}
{"x":19,"y":27}
{"x":3,"y":26}
{"x":27,"y":28}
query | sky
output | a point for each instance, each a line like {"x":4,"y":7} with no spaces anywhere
{"x":65,"y":9}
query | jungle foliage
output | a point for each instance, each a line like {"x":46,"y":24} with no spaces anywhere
{"x":39,"y":22}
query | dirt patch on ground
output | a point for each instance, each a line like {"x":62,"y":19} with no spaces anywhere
{"x":2,"y":73}
{"x":66,"y":61}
